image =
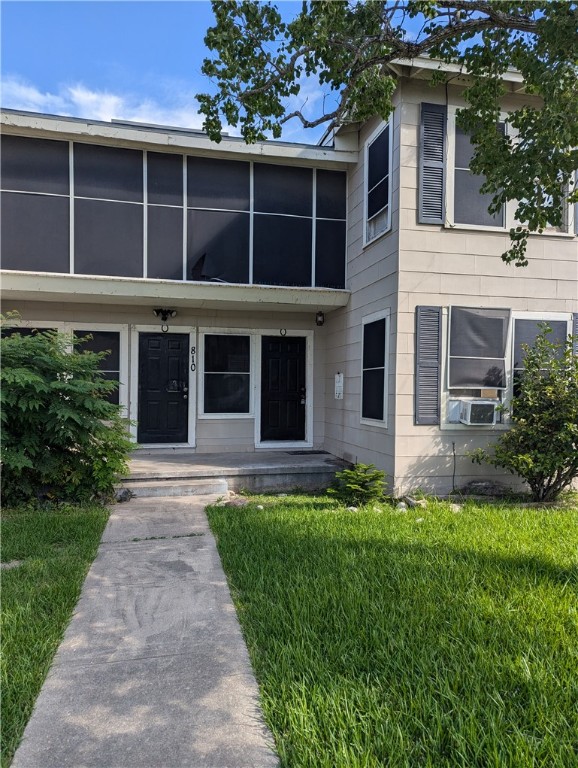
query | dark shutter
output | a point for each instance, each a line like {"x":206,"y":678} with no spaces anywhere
{"x":428,"y":364}
{"x":432,"y":172}
{"x":575,"y":332}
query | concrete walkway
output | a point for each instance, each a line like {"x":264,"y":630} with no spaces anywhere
{"x":153,"y":671}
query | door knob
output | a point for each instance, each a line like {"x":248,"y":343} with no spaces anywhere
{"x":185,"y":397}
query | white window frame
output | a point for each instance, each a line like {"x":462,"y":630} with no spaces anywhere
{"x":203,"y":332}
{"x":510,"y":206}
{"x":367,"y":320}
{"x":376,"y":133}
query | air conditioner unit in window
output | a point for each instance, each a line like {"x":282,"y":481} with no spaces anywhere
{"x":479,"y":413}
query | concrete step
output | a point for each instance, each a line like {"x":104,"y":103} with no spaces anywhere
{"x":187,"y":487}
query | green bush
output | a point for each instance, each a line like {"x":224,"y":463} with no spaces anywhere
{"x":359,"y":485}
{"x":61,"y":438}
{"x":542,"y":445}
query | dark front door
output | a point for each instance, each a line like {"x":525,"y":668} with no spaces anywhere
{"x":283,"y":388}
{"x":163,"y":388}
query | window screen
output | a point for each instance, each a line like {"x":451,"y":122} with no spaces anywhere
{"x":526,"y":331}
{"x":377,"y":192}
{"x":221,"y":184}
{"x":218,"y":246}
{"x":165,"y":178}
{"x":227,"y":374}
{"x":108,"y":173}
{"x":373,"y":370}
{"x":43,"y":247}
{"x":108,"y":238}
{"x":34,"y":165}
{"x":281,"y":250}
{"x":331,"y":194}
{"x":330,"y":254}
{"x":109,"y":366}
{"x":165,"y":243}
{"x":471,"y":207}
{"x":283,"y":189}
{"x":477,"y":348}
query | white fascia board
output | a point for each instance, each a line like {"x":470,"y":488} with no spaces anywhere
{"x":43,"y":286}
{"x":50,"y":126}
{"x":422,"y":66}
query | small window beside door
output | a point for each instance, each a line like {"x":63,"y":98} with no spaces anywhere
{"x":227,"y":374}
{"x":374,"y":369}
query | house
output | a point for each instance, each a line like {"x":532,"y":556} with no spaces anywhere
{"x":349,"y":298}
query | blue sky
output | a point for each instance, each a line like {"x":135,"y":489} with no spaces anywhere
{"x":129,"y":60}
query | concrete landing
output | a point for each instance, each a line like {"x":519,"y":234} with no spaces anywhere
{"x":153,"y":671}
{"x":259,"y":471}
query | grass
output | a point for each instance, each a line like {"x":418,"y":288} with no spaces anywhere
{"x":403,"y":639}
{"x":56,"y":547}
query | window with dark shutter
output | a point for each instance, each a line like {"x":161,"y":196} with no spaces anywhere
{"x":477,"y":348}
{"x":428,"y":365}
{"x":432,"y":174}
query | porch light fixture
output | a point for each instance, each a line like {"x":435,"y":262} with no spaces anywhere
{"x":319,"y":319}
{"x":164,"y":314}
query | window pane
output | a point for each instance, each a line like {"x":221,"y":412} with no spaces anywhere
{"x":330,"y":254}
{"x":218,"y":246}
{"x":222,"y":184}
{"x":226,"y":393}
{"x":525,"y":332}
{"x":281,"y":250}
{"x":23,"y":330}
{"x":473,"y":372}
{"x":331,"y":194}
{"x":109,"y":173}
{"x":42,"y":247}
{"x":464,"y":149}
{"x":377,"y":199}
{"x":374,"y":344}
{"x":34,"y":165}
{"x":372,"y":394}
{"x":108,"y":238}
{"x":470,"y":207}
{"x":165,"y":243}
{"x":378,"y":159}
{"x":165,"y":178}
{"x":478,"y":332}
{"x":282,"y":189}
{"x":227,"y":354}
{"x":102,"y":341}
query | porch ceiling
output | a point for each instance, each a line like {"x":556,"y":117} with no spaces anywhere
{"x":34,"y":286}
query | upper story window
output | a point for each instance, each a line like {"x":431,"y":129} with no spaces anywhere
{"x":449,"y":193}
{"x":80,"y":208}
{"x":378,"y":184}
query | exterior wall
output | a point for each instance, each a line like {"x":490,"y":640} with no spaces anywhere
{"x":372,"y":280}
{"x":460,"y":266}
{"x":212,"y":434}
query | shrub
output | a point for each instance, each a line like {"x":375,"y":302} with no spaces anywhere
{"x":359,"y":485}
{"x":542,"y":445}
{"x":61,"y":438}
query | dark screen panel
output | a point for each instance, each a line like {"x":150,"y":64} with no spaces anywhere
{"x":218,"y":246}
{"x":468,"y":373}
{"x":226,"y":393}
{"x":331,"y":194}
{"x":478,"y":332}
{"x":34,"y":165}
{"x":165,"y":178}
{"x":227,"y":354}
{"x":372,"y":394}
{"x":165,"y":243}
{"x":378,"y":198}
{"x":109,"y":173}
{"x":470,"y":206}
{"x":378,"y":159}
{"x":526,"y":331}
{"x":108,"y":238}
{"x":222,"y":184}
{"x":42,"y":247}
{"x":330,"y":254}
{"x":281,"y":250}
{"x":374,"y":344}
{"x":283,"y":189}
{"x":464,"y":149}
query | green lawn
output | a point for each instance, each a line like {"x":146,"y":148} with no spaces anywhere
{"x":425,"y":638}
{"x":56,"y":548}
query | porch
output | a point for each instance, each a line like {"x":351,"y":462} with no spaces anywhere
{"x":182,"y":472}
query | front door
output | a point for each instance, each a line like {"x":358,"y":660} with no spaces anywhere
{"x":163,"y":388}
{"x":283,"y":388}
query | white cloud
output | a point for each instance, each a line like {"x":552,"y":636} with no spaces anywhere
{"x":79,"y":100}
